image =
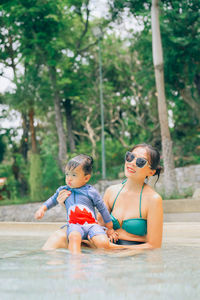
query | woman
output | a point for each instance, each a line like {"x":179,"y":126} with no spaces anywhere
{"x":135,"y":207}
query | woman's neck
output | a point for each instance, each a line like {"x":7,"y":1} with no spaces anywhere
{"x":135,"y":185}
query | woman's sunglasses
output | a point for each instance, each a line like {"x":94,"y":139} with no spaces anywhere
{"x":140,"y":161}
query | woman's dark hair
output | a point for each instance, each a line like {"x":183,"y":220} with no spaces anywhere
{"x":84,"y":160}
{"x":153,"y":157}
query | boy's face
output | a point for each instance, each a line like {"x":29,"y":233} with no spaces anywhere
{"x":76,"y":178}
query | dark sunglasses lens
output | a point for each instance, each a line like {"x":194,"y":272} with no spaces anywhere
{"x":129,"y":156}
{"x":141,"y":162}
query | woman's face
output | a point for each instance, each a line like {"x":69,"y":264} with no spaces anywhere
{"x":131,"y":168}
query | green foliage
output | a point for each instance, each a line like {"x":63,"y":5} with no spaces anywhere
{"x":16,"y":201}
{"x":52,"y":177}
{"x":187,"y":193}
{"x":35,"y":177}
{"x":10,"y":190}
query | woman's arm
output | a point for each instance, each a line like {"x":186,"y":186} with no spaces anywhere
{"x":154,"y":224}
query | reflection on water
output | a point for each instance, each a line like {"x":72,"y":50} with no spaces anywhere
{"x":26,"y":272}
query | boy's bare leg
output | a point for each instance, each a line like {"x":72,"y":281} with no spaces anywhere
{"x":102,"y":242}
{"x":57,"y":240}
{"x":74,"y":244}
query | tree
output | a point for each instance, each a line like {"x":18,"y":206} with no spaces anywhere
{"x":169,"y":169}
{"x":181,"y":41}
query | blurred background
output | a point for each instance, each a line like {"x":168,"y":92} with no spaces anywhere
{"x":78,"y":77}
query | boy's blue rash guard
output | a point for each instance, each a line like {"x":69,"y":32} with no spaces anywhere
{"x":86,"y":195}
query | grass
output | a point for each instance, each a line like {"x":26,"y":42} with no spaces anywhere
{"x":17,"y":201}
{"x":187,"y":193}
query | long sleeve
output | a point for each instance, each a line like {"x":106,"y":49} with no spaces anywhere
{"x":52,"y":201}
{"x":99,"y":204}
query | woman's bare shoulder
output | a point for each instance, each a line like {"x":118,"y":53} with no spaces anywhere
{"x":152,"y":194}
{"x":113,"y":188}
{"x":111,"y":193}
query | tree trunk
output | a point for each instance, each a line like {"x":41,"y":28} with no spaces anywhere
{"x":70,"y":135}
{"x":32,"y":131}
{"x":169,"y":170}
{"x":91,"y":135}
{"x":197,"y":83}
{"x":187,"y":97}
{"x":24,"y":141}
{"x":62,"y":152}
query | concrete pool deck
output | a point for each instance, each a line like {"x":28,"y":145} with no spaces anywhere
{"x":177,"y":233}
{"x":179,"y":210}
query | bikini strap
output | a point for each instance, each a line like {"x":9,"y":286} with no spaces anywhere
{"x":123,"y":183}
{"x":141,"y":201}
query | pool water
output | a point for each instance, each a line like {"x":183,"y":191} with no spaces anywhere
{"x":26,"y":272}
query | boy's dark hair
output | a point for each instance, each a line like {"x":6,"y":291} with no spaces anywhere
{"x":84,"y":160}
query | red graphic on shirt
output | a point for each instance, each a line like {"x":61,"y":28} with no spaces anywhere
{"x":81,"y":216}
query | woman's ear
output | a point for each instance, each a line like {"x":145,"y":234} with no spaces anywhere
{"x":151,"y":172}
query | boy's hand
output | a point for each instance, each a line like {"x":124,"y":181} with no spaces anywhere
{"x":112,"y":234}
{"x":62,"y":196}
{"x":40,"y":212}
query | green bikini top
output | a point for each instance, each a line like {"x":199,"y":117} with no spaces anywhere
{"x":137,"y":226}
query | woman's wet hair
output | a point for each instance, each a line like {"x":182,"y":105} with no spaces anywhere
{"x":153,"y":157}
{"x":84,"y":160}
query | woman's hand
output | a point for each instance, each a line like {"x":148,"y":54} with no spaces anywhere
{"x":62,"y":196}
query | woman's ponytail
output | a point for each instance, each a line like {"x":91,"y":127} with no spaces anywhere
{"x":159,"y":169}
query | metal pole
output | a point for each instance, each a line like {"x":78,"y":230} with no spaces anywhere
{"x":103,"y":158}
